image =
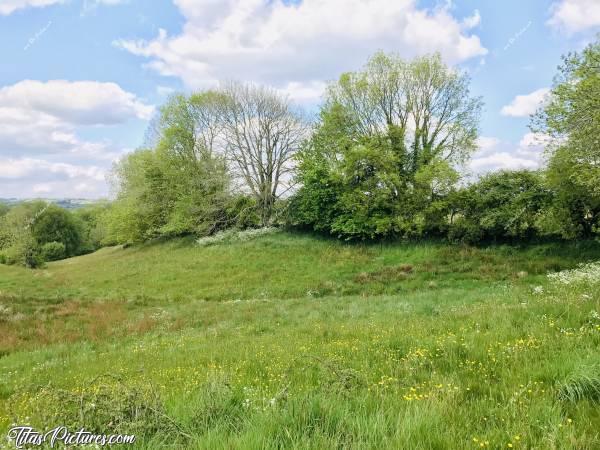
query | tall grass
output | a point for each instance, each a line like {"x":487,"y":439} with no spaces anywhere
{"x":418,"y":346}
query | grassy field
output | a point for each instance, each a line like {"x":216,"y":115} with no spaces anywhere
{"x":291,"y":341}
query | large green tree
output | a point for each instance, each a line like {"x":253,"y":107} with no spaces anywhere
{"x":181,"y":185}
{"x":571,"y":121}
{"x":386,"y":147}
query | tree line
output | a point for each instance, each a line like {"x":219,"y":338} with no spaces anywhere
{"x":383,"y":158}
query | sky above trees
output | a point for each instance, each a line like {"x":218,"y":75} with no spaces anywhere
{"x":81,"y":79}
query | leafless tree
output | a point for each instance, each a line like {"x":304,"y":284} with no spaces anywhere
{"x":262,"y":132}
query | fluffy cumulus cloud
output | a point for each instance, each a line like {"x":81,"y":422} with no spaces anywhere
{"x":40,"y":143}
{"x":23,"y":167}
{"x":574,"y":16}
{"x":525,"y":105}
{"x":79,"y":102}
{"x":32,"y":177}
{"x":493,"y":154}
{"x":296,"y":46}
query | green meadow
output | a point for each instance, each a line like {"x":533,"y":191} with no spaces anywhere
{"x":295,"y":341}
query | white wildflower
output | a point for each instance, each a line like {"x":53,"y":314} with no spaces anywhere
{"x":229,"y":236}
{"x":584,"y":273}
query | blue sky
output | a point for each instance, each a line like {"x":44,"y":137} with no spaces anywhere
{"x":79,"y":80}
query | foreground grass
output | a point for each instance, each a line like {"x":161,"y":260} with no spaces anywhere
{"x":409,"y":349}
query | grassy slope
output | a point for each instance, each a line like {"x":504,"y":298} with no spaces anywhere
{"x":279,"y":266}
{"x":332,"y":346}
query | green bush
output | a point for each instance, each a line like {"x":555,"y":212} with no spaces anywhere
{"x":92,"y":226}
{"x":24,"y":252}
{"x":242,"y":212}
{"x":502,"y":205}
{"x":56,"y":224}
{"x":53,"y":251}
{"x":464,"y":230}
{"x":33,"y":232}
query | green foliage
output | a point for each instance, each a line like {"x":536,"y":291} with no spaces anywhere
{"x":242,"y":212}
{"x":23,"y":251}
{"x":179,"y":187}
{"x":34,"y":232}
{"x":571,"y":121}
{"x":501,"y":205}
{"x":363,"y":174}
{"x":53,"y":251}
{"x":91,"y":221}
{"x":55,"y":224}
{"x":17,"y":242}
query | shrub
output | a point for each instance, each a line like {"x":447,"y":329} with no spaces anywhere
{"x":242,"y":212}
{"x":464,"y":230}
{"x":56,"y":224}
{"x":500,"y":206}
{"x":106,"y":405}
{"x":53,"y":251}
{"x":24,"y":252}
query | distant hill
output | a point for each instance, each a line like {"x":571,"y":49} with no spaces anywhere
{"x":67,"y":203}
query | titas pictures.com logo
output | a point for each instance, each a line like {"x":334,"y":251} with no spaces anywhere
{"x":21,"y":436}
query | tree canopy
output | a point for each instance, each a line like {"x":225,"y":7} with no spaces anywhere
{"x":571,"y":121}
{"x":386,"y":147}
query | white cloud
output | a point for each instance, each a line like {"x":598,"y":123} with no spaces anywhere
{"x":501,"y":160}
{"x":573,"y":16}
{"x":9,"y":6}
{"x":164,"y":91}
{"x":42,"y":188}
{"x":16,"y":168}
{"x":310,"y":92}
{"x":75,"y":102}
{"x":41,"y":147}
{"x":281,"y":43}
{"x":486,"y":143}
{"x":525,"y":105}
{"x":31,"y":177}
{"x":43,"y":118}
{"x":493,"y":154}
{"x":472,"y":21}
